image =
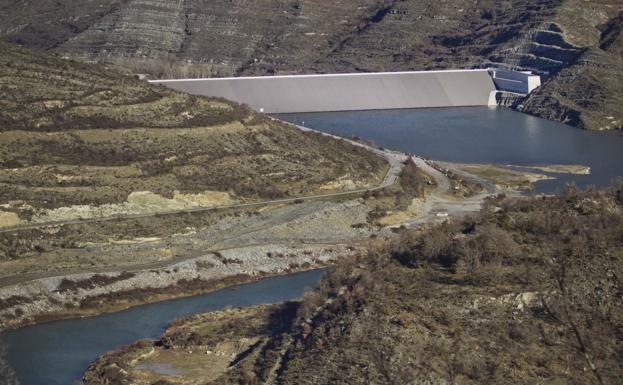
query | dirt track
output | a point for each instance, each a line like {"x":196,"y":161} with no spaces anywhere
{"x":276,"y":237}
{"x":393,"y":158}
{"x":441,"y":202}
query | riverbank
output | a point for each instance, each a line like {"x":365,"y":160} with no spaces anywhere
{"x":179,"y":253}
{"x":85,"y":295}
{"x":499,"y":306}
{"x":235,"y":248}
{"x":201,"y":347}
{"x":64,"y":349}
{"x":121,"y":265}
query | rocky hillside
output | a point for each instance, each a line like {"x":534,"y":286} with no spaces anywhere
{"x":80,"y":141}
{"x":522,"y":293}
{"x":526,"y":292}
{"x":576,"y":43}
{"x":589,"y":92}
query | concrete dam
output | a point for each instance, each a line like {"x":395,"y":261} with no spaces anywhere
{"x":360,"y":91}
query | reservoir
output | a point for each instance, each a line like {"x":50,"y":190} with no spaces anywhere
{"x":481,"y":135}
{"x":58,"y":353}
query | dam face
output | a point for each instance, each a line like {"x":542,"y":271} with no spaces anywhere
{"x":348,"y":92}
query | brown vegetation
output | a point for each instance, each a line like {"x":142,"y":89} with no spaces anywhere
{"x":90,"y":283}
{"x":528,"y":291}
{"x":74,"y":134}
{"x":202,"y":338}
{"x":183,"y":287}
{"x":412,"y":183}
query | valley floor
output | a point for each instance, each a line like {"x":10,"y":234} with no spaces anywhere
{"x":199,"y":251}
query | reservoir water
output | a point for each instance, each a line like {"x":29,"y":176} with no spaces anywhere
{"x":481,"y":135}
{"x":58,"y":353}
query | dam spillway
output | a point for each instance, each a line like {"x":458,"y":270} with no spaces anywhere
{"x":348,"y":92}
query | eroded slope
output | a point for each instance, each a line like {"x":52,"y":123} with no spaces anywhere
{"x":194,"y":38}
{"x":80,"y":140}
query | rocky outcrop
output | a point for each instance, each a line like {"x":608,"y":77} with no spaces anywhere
{"x":543,"y":49}
{"x":48,"y":23}
{"x":586,"y":94}
{"x":197,"y":38}
{"x":268,"y":36}
{"x":588,"y":91}
{"x":220,"y":38}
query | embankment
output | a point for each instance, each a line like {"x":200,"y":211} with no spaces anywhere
{"x":348,"y":92}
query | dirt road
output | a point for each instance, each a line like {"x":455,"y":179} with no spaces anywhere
{"x":393,"y":158}
{"x":316,"y":231}
{"x":440,"y":204}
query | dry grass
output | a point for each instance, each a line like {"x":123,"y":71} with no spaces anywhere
{"x":81,"y":138}
{"x":508,"y":296}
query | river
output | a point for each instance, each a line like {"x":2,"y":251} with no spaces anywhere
{"x":58,"y":353}
{"x":481,"y":135}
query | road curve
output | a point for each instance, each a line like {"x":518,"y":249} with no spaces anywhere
{"x":441,"y":202}
{"x":393,"y":158}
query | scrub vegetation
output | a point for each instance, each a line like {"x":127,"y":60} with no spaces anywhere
{"x":396,"y":202}
{"x":527,"y":290}
{"x":79,"y":140}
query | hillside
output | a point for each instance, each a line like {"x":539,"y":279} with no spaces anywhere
{"x":81,"y":141}
{"x":106,"y":179}
{"x":576,"y":43}
{"x":527,"y":291}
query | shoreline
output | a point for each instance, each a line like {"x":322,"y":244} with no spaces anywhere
{"x":113,"y":306}
{"x":43,"y":298}
{"x":90,"y":295}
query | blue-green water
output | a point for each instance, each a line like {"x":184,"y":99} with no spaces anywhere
{"x":58,"y":353}
{"x":481,"y":135}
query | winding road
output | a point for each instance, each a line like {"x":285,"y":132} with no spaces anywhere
{"x":394,"y":160}
{"x":438,"y":201}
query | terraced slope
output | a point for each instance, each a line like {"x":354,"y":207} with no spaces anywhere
{"x":589,"y":91}
{"x":194,"y":38}
{"x":80,"y":141}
